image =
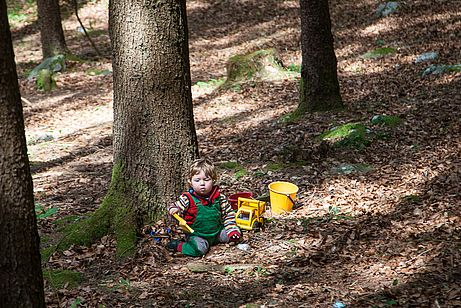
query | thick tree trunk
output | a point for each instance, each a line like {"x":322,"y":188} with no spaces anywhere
{"x":154,"y":132}
{"x":51,"y":33}
{"x":319,"y":88}
{"x":21,"y":281}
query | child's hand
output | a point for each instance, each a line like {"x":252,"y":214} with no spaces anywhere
{"x":173,"y":210}
{"x":234,"y":236}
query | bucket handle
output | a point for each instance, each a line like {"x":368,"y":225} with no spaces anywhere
{"x":295,"y":205}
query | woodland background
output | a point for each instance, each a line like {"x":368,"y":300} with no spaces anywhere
{"x":379,"y":224}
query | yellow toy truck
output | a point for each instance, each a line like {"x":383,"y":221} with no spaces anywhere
{"x":249,"y":213}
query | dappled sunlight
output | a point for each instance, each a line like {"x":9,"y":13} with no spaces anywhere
{"x":34,"y":51}
{"x":389,"y":231}
{"x":381,"y":27}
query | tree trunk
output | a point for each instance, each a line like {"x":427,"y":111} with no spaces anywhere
{"x":154,"y":132}
{"x":319,"y":88}
{"x":51,"y":33}
{"x":21,"y":280}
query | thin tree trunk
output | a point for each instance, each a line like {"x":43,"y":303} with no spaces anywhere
{"x":51,"y":32}
{"x":319,"y":88}
{"x":21,"y":280}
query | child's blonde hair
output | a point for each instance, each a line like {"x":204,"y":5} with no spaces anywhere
{"x":205,"y":165}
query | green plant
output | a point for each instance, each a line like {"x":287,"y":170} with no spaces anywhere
{"x":333,"y":214}
{"x":294,"y":68}
{"x":43,"y":212}
{"x":125,"y":283}
{"x":379,"y":42}
{"x":76,"y":303}
{"x":229,"y":270}
{"x":261,"y":271}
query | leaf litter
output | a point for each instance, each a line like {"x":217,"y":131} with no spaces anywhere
{"x":386,"y":237}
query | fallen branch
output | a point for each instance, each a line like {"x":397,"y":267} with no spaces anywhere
{"x":203,"y":267}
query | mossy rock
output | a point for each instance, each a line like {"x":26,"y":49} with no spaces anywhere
{"x":53,"y":64}
{"x":259,"y":65}
{"x":354,"y":135}
{"x":386,"y":120}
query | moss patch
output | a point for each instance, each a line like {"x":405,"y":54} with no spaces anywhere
{"x":45,"y":80}
{"x":229,"y":165}
{"x":59,"y":278}
{"x":354,"y":135}
{"x":62,"y":222}
{"x":116,"y":215}
{"x":379,"y":52}
{"x":274,"y":166}
{"x":47,"y":252}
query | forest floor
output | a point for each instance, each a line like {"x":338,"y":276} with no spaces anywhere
{"x":379,"y":226}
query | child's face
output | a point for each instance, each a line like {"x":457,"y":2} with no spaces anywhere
{"x":201,"y":183}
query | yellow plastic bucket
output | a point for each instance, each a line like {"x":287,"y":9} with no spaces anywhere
{"x":282,"y":196}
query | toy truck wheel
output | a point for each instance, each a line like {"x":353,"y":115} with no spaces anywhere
{"x":257,"y":226}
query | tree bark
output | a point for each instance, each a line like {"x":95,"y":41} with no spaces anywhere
{"x":319,"y":88}
{"x":21,"y":280}
{"x":154,"y":132}
{"x":51,"y":32}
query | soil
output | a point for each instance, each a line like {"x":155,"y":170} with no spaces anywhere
{"x":387,"y":236}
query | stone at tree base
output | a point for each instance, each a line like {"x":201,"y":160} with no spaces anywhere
{"x":53,"y":64}
{"x":260,"y":65}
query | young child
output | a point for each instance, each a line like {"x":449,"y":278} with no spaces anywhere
{"x":205,"y":210}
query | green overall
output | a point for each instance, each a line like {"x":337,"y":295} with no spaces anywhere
{"x":207,"y":225}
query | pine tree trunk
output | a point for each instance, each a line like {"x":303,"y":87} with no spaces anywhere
{"x":154,"y":132}
{"x":319,"y":88}
{"x":51,"y":32}
{"x":21,"y":280}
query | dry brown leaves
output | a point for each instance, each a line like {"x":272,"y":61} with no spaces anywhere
{"x":389,"y":237}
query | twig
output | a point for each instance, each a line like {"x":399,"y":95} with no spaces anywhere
{"x":418,"y":255}
{"x":25,"y":100}
{"x":84,"y":30}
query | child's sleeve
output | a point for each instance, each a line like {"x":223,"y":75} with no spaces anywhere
{"x":181,"y":204}
{"x":228,"y":217}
